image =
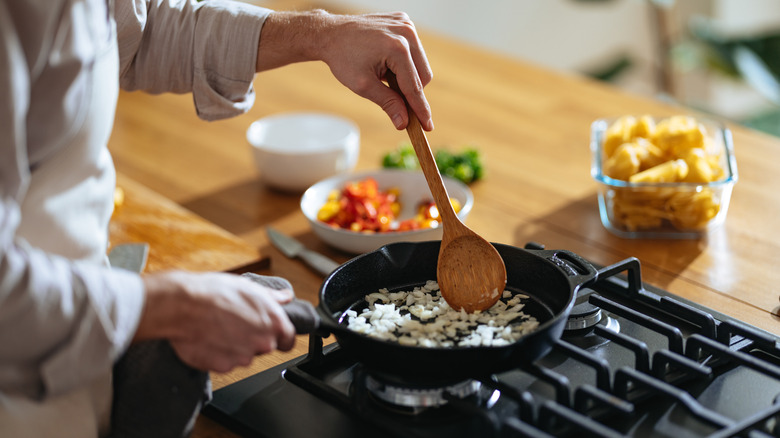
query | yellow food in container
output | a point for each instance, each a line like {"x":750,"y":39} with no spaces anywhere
{"x":668,"y":177}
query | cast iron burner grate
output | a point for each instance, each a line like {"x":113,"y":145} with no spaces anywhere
{"x":652,"y":365}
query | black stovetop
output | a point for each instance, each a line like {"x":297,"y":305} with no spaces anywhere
{"x":654,"y":365}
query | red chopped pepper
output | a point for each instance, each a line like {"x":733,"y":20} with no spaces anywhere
{"x":362,"y":207}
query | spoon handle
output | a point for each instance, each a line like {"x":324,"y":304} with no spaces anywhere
{"x":426,"y":159}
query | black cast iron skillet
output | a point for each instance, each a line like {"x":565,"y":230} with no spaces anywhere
{"x":550,"y":277}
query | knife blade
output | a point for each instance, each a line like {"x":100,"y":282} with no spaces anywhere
{"x":129,"y":256}
{"x":293,"y":248}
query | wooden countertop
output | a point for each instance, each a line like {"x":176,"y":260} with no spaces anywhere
{"x":532,"y":126}
{"x":177,"y":237}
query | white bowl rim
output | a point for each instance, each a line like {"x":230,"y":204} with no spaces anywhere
{"x":351,"y":126}
{"x":356,"y":176}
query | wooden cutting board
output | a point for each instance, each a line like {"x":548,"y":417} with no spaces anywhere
{"x":177,"y":238}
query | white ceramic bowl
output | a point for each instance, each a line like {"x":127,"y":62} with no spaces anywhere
{"x":413,"y":190}
{"x":294,"y":150}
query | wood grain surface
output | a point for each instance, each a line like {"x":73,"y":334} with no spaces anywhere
{"x":531,"y":126}
{"x":177,"y":237}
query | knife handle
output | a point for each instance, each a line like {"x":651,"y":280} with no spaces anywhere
{"x":318,"y":262}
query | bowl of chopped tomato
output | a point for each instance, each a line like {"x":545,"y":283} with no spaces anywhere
{"x":360,"y":212}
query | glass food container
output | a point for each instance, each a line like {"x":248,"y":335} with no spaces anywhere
{"x":653,"y":205}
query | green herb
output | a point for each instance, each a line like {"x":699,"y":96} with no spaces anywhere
{"x":401,"y":158}
{"x":465,"y":166}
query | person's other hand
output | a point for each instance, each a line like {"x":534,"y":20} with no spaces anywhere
{"x":215,"y":321}
{"x":359,"y":49}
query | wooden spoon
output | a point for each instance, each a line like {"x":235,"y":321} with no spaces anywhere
{"x":470,"y":272}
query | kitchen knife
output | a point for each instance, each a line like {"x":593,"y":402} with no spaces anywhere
{"x":129,"y":256}
{"x":293,"y":248}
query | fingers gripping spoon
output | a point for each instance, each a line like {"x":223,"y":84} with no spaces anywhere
{"x":470,"y":272}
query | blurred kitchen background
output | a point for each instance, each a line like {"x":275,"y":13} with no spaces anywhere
{"x":717,"y":56}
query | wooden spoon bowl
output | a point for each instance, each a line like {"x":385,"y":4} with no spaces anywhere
{"x":470,"y":271}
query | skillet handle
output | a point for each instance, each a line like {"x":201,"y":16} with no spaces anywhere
{"x":578,"y":270}
{"x":303,"y":315}
{"x":307,"y":319}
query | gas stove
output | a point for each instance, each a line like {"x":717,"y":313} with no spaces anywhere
{"x":635,"y":360}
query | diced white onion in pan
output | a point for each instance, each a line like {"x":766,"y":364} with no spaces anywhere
{"x":421,"y":317}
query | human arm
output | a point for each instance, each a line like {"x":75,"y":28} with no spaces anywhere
{"x":215,"y":321}
{"x":183,"y":46}
{"x":62,"y":324}
{"x":359,"y":49}
{"x":65,"y":318}
{"x":214,"y":48}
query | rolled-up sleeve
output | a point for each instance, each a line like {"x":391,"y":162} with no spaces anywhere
{"x":208,"y":48}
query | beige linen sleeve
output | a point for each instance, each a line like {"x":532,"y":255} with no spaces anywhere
{"x":208,"y":48}
{"x":62,"y":323}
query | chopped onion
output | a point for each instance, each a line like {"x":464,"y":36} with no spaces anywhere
{"x":421,"y":317}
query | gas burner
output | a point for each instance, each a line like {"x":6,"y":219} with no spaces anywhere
{"x":583,"y":315}
{"x":419,"y":397}
{"x":583,"y":318}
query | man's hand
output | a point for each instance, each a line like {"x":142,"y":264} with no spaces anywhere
{"x":215,"y":321}
{"x":359,"y":49}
